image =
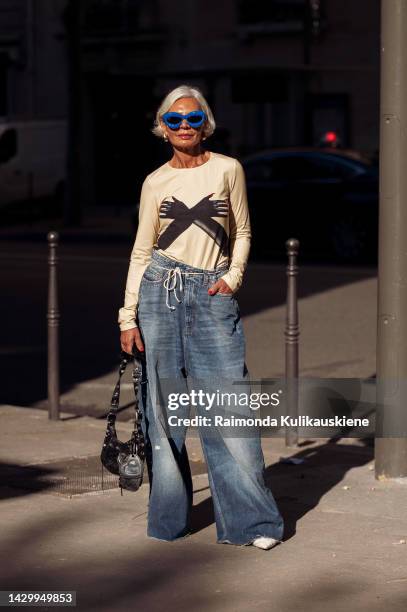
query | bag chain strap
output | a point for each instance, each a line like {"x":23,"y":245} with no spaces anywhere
{"x":114,"y":404}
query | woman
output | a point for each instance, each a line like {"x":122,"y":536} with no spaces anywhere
{"x":188,"y":260}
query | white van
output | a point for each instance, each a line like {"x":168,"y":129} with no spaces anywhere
{"x":32,"y":159}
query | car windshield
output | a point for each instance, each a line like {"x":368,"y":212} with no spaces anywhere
{"x":311,"y":166}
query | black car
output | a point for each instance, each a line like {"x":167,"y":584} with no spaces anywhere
{"x":326,"y":198}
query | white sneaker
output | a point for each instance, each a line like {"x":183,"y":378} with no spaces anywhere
{"x":265,"y":543}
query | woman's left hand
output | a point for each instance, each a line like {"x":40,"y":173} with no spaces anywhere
{"x":220,"y":286}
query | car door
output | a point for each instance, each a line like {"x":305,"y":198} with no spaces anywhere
{"x":319,"y":189}
{"x":270,"y":195}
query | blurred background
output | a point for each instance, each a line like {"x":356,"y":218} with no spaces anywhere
{"x":294,"y":87}
{"x":86,"y":77}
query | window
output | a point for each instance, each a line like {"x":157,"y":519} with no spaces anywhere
{"x":302,"y":168}
{"x":289,"y":167}
{"x":258,"y":171}
{"x":329,"y":167}
{"x":127,"y":17}
{"x":3,"y":84}
{"x":273,"y":11}
{"x":260,"y":87}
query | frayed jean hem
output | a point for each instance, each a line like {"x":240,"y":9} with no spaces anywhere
{"x":169,"y":540}
{"x":250,"y":542}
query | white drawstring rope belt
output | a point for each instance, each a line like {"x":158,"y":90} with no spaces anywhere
{"x":170,"y":284}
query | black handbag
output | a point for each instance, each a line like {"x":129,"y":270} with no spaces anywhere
{"x":125,"y":459}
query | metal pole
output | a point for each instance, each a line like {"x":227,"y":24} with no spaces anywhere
{"x":291,"y":341}
{"x":53,"y":329}
{"x":391,"y":441}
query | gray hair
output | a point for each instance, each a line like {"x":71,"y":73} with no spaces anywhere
{"x":184,"y":91}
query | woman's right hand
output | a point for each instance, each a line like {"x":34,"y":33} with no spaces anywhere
{"x":130,"y":337}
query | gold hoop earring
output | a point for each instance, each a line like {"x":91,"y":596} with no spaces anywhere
{"x":165,"y":137}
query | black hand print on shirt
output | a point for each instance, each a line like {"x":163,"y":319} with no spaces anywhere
{"x":201,"y":214}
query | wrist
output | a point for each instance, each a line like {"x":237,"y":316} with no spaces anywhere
{"x":128,"y":326}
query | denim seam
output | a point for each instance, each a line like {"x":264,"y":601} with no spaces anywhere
{"x":214,"y":492}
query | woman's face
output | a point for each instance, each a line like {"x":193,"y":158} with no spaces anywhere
{"x":185,"y":137}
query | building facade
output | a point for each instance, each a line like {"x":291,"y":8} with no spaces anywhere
{"x":276,"y":74}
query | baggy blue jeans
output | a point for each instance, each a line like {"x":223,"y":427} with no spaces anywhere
{"x":189,"y":333}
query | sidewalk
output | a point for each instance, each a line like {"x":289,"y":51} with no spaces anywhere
{"x":349,"y":353}
{"x":344,"y":546}
{"x":335,"y":303}
{"x":345,"y":535}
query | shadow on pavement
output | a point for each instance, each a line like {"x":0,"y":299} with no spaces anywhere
{"x":113,"y":566}
{"x":91,"y":289}
{"x":299,"y":488}
{"x":17,"y":480}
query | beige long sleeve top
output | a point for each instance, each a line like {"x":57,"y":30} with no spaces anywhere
{"x":198,"y":216}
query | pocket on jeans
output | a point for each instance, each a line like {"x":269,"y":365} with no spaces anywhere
{"x":229,"y":295}
{"x":153,"y":275}
{"x":226,"y":314}
{"x":217,"y":277}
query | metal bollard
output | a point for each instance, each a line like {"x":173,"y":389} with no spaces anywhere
{"x":53,"y":329}
{"x":291,"y":341}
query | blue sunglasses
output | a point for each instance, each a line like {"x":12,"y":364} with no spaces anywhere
{"x":194,"y":119}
